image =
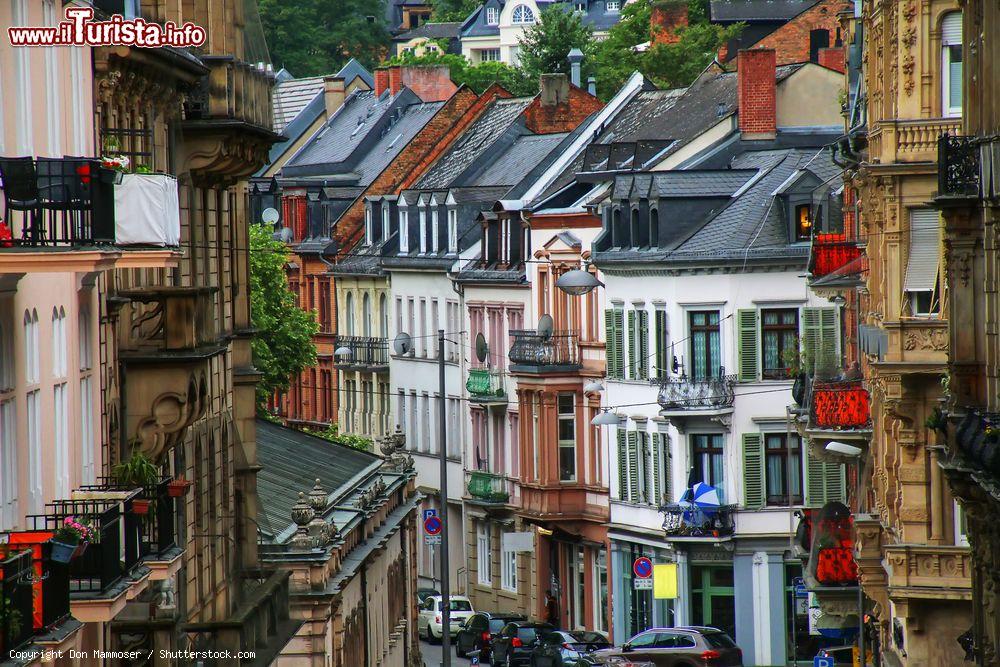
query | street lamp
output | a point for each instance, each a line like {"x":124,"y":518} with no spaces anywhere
{"x":578,"y":282}
{"x":593,"y":387}
{"x":606,"y":418}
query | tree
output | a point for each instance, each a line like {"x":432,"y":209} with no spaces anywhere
{"x":315,"y":37}
{"x":283,"y":339}
{"x":545,"y":45}
{"x":452,"y":10}
{"x":478,"y":77}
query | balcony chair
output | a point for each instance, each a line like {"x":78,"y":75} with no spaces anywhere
{"x":20,"y":193}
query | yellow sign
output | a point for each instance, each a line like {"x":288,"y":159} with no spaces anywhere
{"x":665,"y":581}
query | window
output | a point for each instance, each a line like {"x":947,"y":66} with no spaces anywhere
{"x":368,"y":224}
{"x":581,"y":7}
{"x":489,"y":55}
{"x":60,"y":403}
{"x":492,"y":15}
{"x":383,"y":308}
{"x":706,"y":358}
{"x":662,"y":351}
{"x":404,"y":231}
{"x":634,"y":228}
{"x":613,"y":5}
{"x":779,"y":340}
{"x":567,"y":437}
{"x":654,"y":228}
{"x":483,"y":553}
{"x":921,"y":281}
{"x":366,"y":315}
{"x":9,"y":513}
{"x":638,"y":343}
{"x":452,"y":230}
{"x":503,"y":251}
{"x":385,"y":220}
{"x":423,"y":231}
{"x":951,"y":64}
{"x":707,"y":459}
{"x":508,"y":570}
{"x":349,"y":313}
{"x":435,"y":233}
{"x":803,"y":222}
{"x":782,"y":468}
{"x":522,"y":15}
{"x":614,"y":342}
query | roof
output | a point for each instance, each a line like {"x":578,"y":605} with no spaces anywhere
{"x":524,"y":155}
{"x":282,"y":453}
{"x":597,"y":16}
{"x":431,"y":31}
{"x":757,"y":10}
{"x":291,"y":96}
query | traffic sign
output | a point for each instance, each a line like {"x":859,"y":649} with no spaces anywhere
{"x":432,"y":525}
{"x":642,"y":584}
{"x":642,"y":567}
{"x":428,"y":513}
{"x":432,"y":540}
{"x":819,"y":661}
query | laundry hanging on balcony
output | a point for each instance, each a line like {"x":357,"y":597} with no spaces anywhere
{"x":147,"y":210}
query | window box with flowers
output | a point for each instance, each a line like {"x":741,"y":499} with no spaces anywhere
{"x":71,"y":539}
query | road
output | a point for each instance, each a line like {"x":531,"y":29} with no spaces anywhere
{"x":432,"y":655}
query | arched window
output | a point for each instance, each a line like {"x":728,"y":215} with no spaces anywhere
{"x":366,"y":315}
{"x":634,"y":228}
{"x":951,"y":64}
{"x":349,"y":312}
{"x":383,"y":309}
{"x":31,"y":346}
{"x":616,"y":230}
{"x":522,"y":15}
{"x":654,"y":228}
{"x":58,"y":342}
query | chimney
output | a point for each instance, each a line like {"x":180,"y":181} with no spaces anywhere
{"x":832,"y":58}
{"x":575,"y":57}
{"x":755,"y":72}
{"x":664,"y":19}
{"x":592,"y":86}
{"x":333,"y":94}
{"x":554,"y":89}
{"x":431,"y":84}
{"x":381,"y":80}
{"x":395,"y":79}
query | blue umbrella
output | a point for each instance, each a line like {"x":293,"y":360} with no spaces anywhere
{"x":706,"y":495}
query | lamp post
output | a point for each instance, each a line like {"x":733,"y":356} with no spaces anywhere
{"x":845,"y":449}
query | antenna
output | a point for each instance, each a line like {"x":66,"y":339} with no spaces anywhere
{"x":402,"y":343}
{"x":482,"y":348}
{"x":545,"y":327}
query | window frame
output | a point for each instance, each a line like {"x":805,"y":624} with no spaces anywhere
{"x":784,"y":455}
{"x":781,"y":372}
{"x":452,"y":230}
{"x":527,"y":17}
{"x":698,"y":452}
{"x":948,"y":51}
{"x":368,"y":224}
{"x":711,"y":371}
{"x":566,"y":443}
{"x":797,"y":222}
{"x":404,"y":230}
{"x":612,"y":6}
{"x":484,"y":569}
{"x":492,"y":16}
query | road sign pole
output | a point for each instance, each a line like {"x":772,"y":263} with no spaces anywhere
{"x":442,"y":443}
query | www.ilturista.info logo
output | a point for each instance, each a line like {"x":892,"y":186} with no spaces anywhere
{"x":79,"y":29}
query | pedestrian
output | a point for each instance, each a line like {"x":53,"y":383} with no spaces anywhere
{"x":551,"y":609}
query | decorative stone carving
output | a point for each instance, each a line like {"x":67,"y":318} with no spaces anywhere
{"x":925,"y":338}
{"x":393,"y":446}
{"x":170,"y":415}
{"x":302,"y":514}
{"x":319,"y":529}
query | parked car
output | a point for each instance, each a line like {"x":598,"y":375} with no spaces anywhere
{"x":513,"y":645}
{"x":565,"y":648}
{"x":424,"y":593}
{"x":479,"y":631}
{"x":687,"y":646}
{"x":429,"y":617}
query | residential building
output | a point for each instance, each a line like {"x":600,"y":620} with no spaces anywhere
{"x":798,"y":30}
{"x":403,"y":15}
{"x":427,"y":38}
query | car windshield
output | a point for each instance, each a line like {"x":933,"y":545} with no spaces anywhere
{"x":586,"y":638}
{"x":458,"y":605}
{"x":528,"y":634}
{"x":719,"y":640}
{"x":496,"y":624}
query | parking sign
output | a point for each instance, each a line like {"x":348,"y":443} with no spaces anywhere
{"x":823,"y":662}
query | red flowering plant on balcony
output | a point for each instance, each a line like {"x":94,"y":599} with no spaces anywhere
{"x":831,"y":252}
{"x":831,"y":559}
{"x":842,"y":404}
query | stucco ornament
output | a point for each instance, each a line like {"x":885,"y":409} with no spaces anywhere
{"x":393,"y":446}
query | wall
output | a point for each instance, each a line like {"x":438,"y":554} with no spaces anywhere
{"x":809,"y":98}
{"x":791,"y":41}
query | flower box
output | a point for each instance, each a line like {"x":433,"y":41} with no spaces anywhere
{"x":140,"y":507}
{"x":147,"y":210}
{"x":177,"y":488}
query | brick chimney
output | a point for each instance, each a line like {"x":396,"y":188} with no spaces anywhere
{"x":395,"y":79}
{"x":381,"y":80}
{"x":755,"y":71}
{"x":664,"y":21}
{"x":431,"y":84}
{"x":333,"y":94}
{"x":554,"y":89}
{"x":833,"y":58}
{"x":559,"y":107}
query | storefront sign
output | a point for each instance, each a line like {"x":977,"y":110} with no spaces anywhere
{"x":665,"y":581}
{"x":518,"y":542}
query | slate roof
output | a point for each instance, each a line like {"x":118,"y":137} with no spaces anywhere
{"x":399,"y":134}
{"x":525,"y":154}
{"x":291,"y":96}
{"x":291,"y":461}
{"x":476,"y":139}
{"x":597,"y":16}
{"x":342,"y":133}
{"x":431,"y":31}
{"x":692,"y":183}
{"x":730,"y":11}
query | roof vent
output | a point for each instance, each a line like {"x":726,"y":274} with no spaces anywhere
{"x":720,"y":110}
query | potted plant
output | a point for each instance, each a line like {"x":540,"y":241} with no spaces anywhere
{"x":178,"y":487}
{"x":137,"y":472}
{"x":71,"y":539}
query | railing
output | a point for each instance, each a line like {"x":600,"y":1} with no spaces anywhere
{"x":831,"y":252}
{"x":365,"y":351}
{"x":920,"y":136}
{"x":485,"y":384}
{"x":233,"y":90}
{"x":842,"y":404}
{"x":16,"y":609}
{"x":684,"y":393}
{"x":169,"y":319}
{"x":157,"y":532}
{"x":134,"y":143}
{"x":686,"y":520}
{"x":56,"y":202}
{"x":959,"y":166}
{"x":531,"y":348}
{"x":48,"y":581}
{"x":978,"y":439}
{"x":488,"y":487}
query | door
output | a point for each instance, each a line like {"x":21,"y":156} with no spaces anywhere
{"x":712,"y":602}
{"x":672,"y":648}
{"x":640,"y":649}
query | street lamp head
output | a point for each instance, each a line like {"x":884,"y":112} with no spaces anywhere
{"x":578,"y":282}
{"x":343,"y":352}
{"x":593,"y":387}
{"x":606,"y":418}
{"x":843,"y":448}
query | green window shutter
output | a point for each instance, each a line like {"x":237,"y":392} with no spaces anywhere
{"x":820,"y":335}
{"x":642,"y":363}
{"x":660,"y":326}
{"x":616,"y":365}
{"x":753,"y":471}
{"x":644,"y":456}
{"x":656,"y":463}
{"x":746,"y":323}
{"x":834,"y":482}
{"x":609,"y":341}
{"x":631,"y":346}
{"x":622,"y":466}
{"x":633,"y":467}
{"x":818,"y":478}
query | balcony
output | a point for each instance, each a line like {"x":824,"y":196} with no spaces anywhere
{"x":487,"y":386}
{"x":565,"y":501}
{"x":169,"y":322}
{"x":16,"y":609}
{"x":532,"y":352}
{"x":487,"y":488}
{"x":839,"y":405}
{"x":366,"y":353}
{"x":835,"y":261}
{"x":931,"y":572}
{"x":233,"y":91}
{"x":685,"y":522}
{"x":960,"y":174}
{"x":893,"y":141}
{"x":683,"y":398}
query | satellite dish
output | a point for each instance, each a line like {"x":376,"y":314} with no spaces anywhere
{"x":284,"y":234}
{"x":482,"y":348}
{"x":545,"y":327}
{"x":402,"y":343}
{"x":269,"y":215}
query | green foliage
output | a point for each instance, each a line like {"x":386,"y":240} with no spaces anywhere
{"x":478,"y":77}
{"x":545,"y":45}
{"x":668,"y":65}
{"x":283,"y":339}
{"x":314,"y":37}
{"x":136,"y":471}
{"x":351,"y":440}
{"x":452,"y":10}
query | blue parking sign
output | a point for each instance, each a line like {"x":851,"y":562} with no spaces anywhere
{"x":823,"y":662}
{"x":428,"y":513}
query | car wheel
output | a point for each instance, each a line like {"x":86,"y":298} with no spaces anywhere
{"x":459,"y":653}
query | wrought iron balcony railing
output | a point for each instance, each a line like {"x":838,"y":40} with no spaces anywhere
{"x":839,"y":404}
{"x":486,"y":385}
{"x":685,"y":520}
{"x":530,"y":348}
{"x":16,"y":608}
{"x":157,"y":534}
{"x":365,"y":351}
{"x":831,"y":252}
{"x":27,"y":570}
{"x":959,"y":169}
{"x":488,"y":487}
{"x":685,"y":393}
{"x":56,"y":203}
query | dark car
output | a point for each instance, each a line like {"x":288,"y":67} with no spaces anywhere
{"x":514,"y":643}
{"x":479,"y":631}
{"x":424,"y":593}
{"x":564,"y":649}
{"x":687,"y":646}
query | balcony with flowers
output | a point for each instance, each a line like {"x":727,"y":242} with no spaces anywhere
{"x":836,"y":261}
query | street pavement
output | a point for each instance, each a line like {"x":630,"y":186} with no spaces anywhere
{"x":432,"y":655}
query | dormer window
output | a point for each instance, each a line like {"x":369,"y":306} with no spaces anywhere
{"x":404,"y":231}
{"x":523,"y":15}
{"x":581,"y":7}
{"x":423,"y":231}
{"x":803,"y":222}
{"x":368,"y":224}
{"x":385,"y":220}
{"x":492,"y":15}
{"x":654,"y":228}
{"x":435,"y":234}
{"x":452,"y":230}
{"x":613,"y":6}
{"x":504,"y":240}
{"x":634,"y":228}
